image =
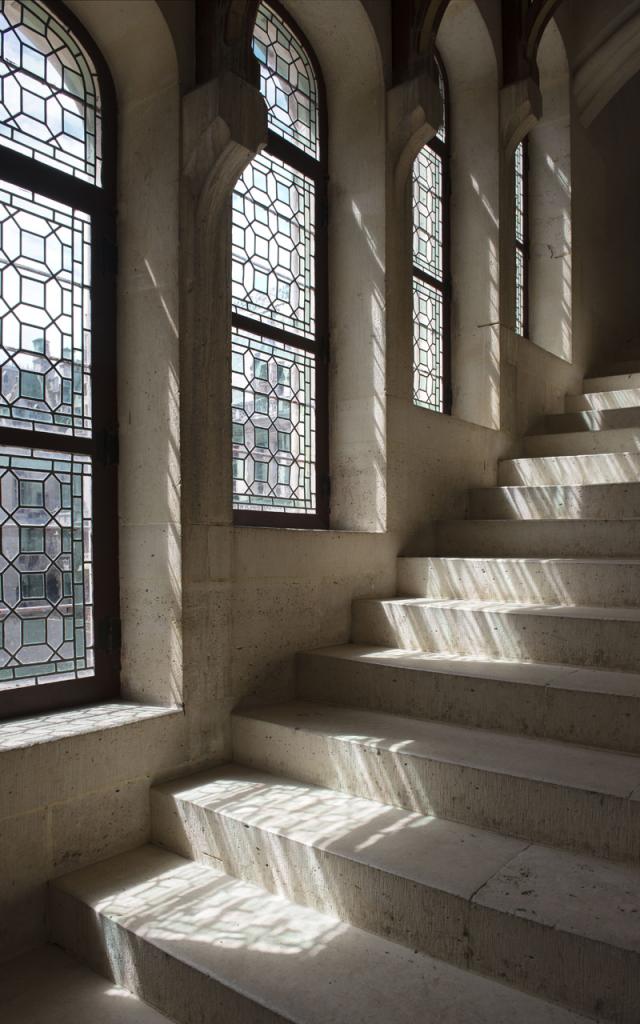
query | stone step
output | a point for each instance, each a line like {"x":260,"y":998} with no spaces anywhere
{"x":207,"y":948}
{"x":601,"y":468}
{"x":545,"y":920}
{"x":47,"y":986}
{"x":593,"y":707}
{"x":589,"y":419}
{"x":626,"y":439}
{"x":607,"y":582}
{"x":565,"y":634}
{"x":611,"y":382}
{"x":541,"y":538}
{"x":625,"y":399}
{"x":539,"y":790}
{"x":555,"y":501}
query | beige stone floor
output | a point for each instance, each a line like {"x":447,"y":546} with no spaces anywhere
{"x":50,"y":987}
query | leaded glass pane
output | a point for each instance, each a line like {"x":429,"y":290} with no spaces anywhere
{"x":427,"y":212}
{"x":427,"y":346}
{"x":49,"y":96}
{"x":287,"y":82}
{"x":274,"y":246}
{"x":519,"y":292}
{"x":274,"y":429}
{"x":45,"y":314}
{"x":520,"y":199}
{"x":46,"y":592}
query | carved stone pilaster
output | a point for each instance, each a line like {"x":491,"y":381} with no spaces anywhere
{"x":224,"y":126}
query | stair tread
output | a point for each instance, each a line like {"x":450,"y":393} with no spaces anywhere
{"x":510,"y":608}
{"x":534,"y":673}
{"x":524,"y":560}
{"x":579,"y":434}
{"x":619,"y":486}
{"x":308,"y":967}
{"x":544,"y":760}
{"x":580,"y":894}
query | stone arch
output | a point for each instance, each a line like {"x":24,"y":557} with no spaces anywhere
{"x":136,"y":43}
{"x":550,"y":202}
{"x":607,"y":70}
{"x":468,"y":54}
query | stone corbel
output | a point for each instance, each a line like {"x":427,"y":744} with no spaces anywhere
{"x":414,"y":114}
{"x":520,"y":111}
{"x":224,"y":125}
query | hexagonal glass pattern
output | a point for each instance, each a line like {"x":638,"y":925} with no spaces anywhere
{"x":45,"y":314}
{"x":46,"y":621}
{"x":49,"y":97}
{"x":520,"y":261}
{"x":427,"y":212}
{"x":273,"y":424}
{"x":287,"y":82}
{"x":273,"y":272}
{"x":428,"y":203}
{"x":427,"y":333}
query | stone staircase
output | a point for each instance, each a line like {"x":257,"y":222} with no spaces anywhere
{"x":445,"y":825}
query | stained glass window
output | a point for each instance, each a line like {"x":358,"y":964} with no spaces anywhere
{"x":273,"y":267}
{"x":46,"y":594}
{"x":431,"y":385}
{"x":45,"y":310}
{"x":57,"y":406}
{"x":522,"y":240}
{"x":278,"y":298}
{"x":50,"y":98}
{"x":287,"y":81}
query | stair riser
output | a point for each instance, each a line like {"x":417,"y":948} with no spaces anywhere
{"x":588,"y":583}
{"x":568,"y":968}
{"x":541,"y":539}
{"x":611,"y":382}
{"x":597,"y":501}
{"x":563,"y":640}
{"x":568,"y":470}
{"x":623,"y":440}
{"x":593,"y":719}
{"x":626,"y":399}
{"x":559,"y":815}
{"x":181,"y":992}
{"x":404,"y":911}
{"x":593,"y":977}
{"x":589,"y":420}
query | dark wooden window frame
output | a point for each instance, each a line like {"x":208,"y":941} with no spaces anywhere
{"x":443,"y":149}
{"x":317,"y":171}
{"x":99,"y":202}
{"x":524,"y":247}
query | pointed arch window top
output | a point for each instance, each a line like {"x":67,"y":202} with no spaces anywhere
{"x":287,"y":82}
{"x":49,"y":95}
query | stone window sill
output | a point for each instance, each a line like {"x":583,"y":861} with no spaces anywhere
{"x":54,"y":726}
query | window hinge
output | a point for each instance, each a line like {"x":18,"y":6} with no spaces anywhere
{"x":108,"y":448}
{"x":109,"y":635}
{"x":325,"y":486}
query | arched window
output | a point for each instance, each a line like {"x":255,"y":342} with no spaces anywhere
{"x":431,"y":279}
{"x":521,"y":176}
{"x":279,"y":294}
{"x":58,"y":498}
